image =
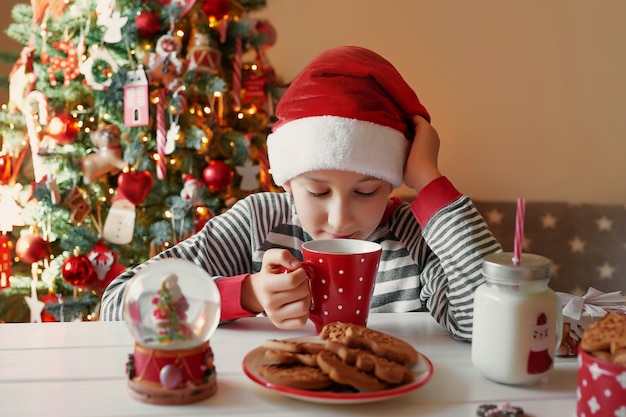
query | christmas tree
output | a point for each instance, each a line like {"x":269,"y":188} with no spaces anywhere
{"x":130,"y":123}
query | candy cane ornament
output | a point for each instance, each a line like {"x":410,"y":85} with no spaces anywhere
{"x":237,"y":74}
{"x":161,"y":136}
{"x":31,"y":128}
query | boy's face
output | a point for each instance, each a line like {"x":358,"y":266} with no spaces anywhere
{"x":336,"y":204}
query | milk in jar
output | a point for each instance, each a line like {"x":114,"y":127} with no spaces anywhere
{"x":517,"y":320}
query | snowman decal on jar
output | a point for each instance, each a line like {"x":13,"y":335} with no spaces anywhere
{"x":539,"y":359}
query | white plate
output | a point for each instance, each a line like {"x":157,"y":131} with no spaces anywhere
{"x":252,"y":362}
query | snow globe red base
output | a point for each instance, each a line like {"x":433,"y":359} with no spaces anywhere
{"x":171,"y":307}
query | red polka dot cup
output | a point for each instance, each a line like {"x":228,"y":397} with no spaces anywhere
{"x":342,"y":274}
{"x":601,"y":387}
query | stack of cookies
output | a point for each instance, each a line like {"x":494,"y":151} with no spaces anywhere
{"x":350,"y":358}
{"x":606,"y":338}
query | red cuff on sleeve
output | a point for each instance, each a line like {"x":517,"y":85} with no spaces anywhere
{"x":437,"y":194}
{"x":230,"y":293}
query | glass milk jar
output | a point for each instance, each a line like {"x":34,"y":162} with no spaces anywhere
{"x":517,"y":320}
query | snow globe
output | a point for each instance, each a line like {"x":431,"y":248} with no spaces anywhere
{"x":171,"y":307}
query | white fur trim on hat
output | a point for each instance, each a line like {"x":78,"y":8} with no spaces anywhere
{"x":337,"y":143}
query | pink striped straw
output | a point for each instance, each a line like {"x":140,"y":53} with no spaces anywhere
{"x":519,"y":231}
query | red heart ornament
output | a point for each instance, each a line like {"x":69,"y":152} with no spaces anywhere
{"x":135,"y":185}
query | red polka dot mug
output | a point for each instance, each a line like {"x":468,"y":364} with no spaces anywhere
{"x":342,"y":274}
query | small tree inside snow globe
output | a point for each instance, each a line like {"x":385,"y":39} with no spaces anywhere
{"x":172,"y":308}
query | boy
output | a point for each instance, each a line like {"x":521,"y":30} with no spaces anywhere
{"x":349,"y":131}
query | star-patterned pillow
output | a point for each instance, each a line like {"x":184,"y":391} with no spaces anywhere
{"x":586,"y":242}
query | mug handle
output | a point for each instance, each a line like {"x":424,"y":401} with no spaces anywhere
{"x":310,"y":273}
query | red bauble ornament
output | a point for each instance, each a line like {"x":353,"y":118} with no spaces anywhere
{"x":31,"y":248}
{"x":135,"y":185}
{"x":217,"y":175}
{"x":6,"y":168}
{"x":62,"y":129}
{"x":77,"y":270}
{"x":269,"y":32}
{"x":215,"y":9}
{"x":148,"y":24}
{"x":48,"y":299}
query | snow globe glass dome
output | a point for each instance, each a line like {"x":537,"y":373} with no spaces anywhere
{"x":171,"y":304}
{"x":171,"y":307}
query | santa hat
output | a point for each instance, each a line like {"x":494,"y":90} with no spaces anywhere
{"x":349,"y":109}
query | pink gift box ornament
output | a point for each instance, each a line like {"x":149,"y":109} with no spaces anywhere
{"x":580,"y":311}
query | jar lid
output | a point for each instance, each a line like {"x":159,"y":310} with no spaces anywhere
{"x":499,"y":267}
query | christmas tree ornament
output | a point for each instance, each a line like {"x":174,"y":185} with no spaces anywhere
{"x":49,"y":299}
{"x":269,"y":33}
{"x":51,"y":184}
{"x":171,"y":136}
{"x":6,"y":264}
{"x":33,"y":122}
{"x":171,"y":308}
{"x":217,"y":175}
{"x":202,"y":55}
{"x":248,"y":173}
{"x":161,"y":137}
{"x":105,"y":265}
{"x":120,"y":222}
{"x":6,"y":168}
{"x":77,"y":204}
{"x":34,"y":304}
{"x":192,"y":190}
{"x":105,"y":8}
{"x":108,"y":158}
{"x":216,"y":9}
{"x":22,"y":79}
{"x":135,"y":185}
{"x":178,"y":8}
{"x":113,"y":26}
{"x":62,"y":129}
{"x":148,"y":24}
{"x":77,"y":269}
{"x":54,"y":8}
{"x":237,"y":70}
{"x":164,"y":66}
{"x":30,"y":247}
{"x":136,"y":98}
{"x":68,"y":64}
{"x":99,"y":68}
{"x":254,"y":89}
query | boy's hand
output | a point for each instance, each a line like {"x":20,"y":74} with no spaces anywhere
{"x":283,"y":296}
{"x":421,"y":166}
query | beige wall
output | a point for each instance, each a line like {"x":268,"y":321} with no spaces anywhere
{"x":529,"y":96}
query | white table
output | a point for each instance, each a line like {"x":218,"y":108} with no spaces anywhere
{"x":78,"y":369}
